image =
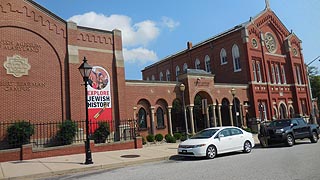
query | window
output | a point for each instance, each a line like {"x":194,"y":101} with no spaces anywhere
{"x":168,"y":75}
{"x":142,"y":119}
{"x":278,"y":74}
{"x":148,"y":79}
{"x":273,"y":74}
{"x":160,"y":118}
{"x":177,"y":72}
{"x":259,"y":72}
{"x":197,"y":64}
{"x":235,"y":131}
{"x":225,"y":132}
{"x":161,"y":76}
{"x":207,"y":61}
{"x":283,"y":73}
{"x":223,"y":56}
{"x":254,"y":71}
{"x":185,"y":67}
{"x":298,"y":74}
{"x":153,"y":78}
{"x":236,"y":58}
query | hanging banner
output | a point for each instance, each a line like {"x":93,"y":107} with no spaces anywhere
{"x":99,"y":96}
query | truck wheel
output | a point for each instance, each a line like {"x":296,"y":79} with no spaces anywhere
{"x":314,"y":137}
{"x":290,"y":140}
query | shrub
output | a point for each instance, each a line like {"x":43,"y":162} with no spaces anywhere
{"x":158,"y":137}
{"x":170,"y":139}
{"x":19,"y":133}
{"x":150,"y":138}
{"x":184,"y":137}
{"x":177,"y":136}
{"x":67,"y":131}
{"x":247,"y":129}
{"x":101,"y":134}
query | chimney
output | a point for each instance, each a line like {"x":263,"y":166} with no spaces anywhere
{"x":189,"y":45}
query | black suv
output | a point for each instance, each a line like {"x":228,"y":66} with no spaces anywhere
{"x":287,"y":130}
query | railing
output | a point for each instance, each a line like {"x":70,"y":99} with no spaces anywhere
{"x":45,"y":134}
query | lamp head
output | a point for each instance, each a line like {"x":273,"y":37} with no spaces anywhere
{"x":85,"y":69}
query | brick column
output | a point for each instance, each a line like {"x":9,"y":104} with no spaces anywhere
{"x":152,"y":120}
{"x":214,"y":115}
{"x":191,"y":118}
{"x":219,"y":114}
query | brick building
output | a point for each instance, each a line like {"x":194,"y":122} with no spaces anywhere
{"x":252,"y":71}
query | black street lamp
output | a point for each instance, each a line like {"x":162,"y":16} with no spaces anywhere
{"x":182,"y":89}
{"x":85,"y":70}
{"x":233,"y":92}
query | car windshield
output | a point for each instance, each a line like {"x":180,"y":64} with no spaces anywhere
{"x":280,"y":123}
{"x":204,"y":134}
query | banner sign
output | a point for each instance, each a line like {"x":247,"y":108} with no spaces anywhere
{"x":99,"y":96}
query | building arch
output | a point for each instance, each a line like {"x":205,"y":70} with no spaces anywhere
{"x":144,"y":120}
{"x":283,"y":110}
{"x":225,"y":113}
{"x":177,"y":116}
{"x":201,"y":113}
{"x":291,"y":112}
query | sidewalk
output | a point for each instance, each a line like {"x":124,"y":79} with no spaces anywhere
{"x":59,"y":165}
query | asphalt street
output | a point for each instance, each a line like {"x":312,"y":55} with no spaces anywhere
{"x":300,"y":162}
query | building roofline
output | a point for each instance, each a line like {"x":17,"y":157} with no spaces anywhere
{"x":43,"y":9}
{"x":94,"y":29}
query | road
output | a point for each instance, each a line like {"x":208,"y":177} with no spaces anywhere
{"x":300,"y":162}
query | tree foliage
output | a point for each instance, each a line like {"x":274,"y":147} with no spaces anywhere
{"x":315,"y":82}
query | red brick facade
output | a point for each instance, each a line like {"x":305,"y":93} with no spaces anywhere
{"x":40,"y":82}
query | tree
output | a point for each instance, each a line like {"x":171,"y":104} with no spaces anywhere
{"x":314,"y":82}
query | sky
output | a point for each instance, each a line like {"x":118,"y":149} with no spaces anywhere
{"x":152,"y":30}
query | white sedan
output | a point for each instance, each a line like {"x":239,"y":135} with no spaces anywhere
{"x":212,"y":141}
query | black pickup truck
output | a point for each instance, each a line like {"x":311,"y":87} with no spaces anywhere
{"x":287,"y":130}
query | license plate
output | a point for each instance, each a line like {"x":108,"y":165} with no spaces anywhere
{"x":184,"y":151}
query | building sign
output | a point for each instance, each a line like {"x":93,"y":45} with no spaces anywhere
{"x":99,"y":95}
{"x":17,"y":66}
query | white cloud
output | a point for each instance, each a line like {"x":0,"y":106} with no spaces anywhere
{"x":132,"y":34}
{"x":170,"y":23}
{"x":139,"y":55}
{"x":135,"y":36}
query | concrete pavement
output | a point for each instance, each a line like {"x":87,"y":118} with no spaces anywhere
{"x":59,"y":165}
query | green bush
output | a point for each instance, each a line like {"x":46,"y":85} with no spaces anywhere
{"x":170,"y":139}
{"x":67,"y":131}
{"x":177,"y":136}
{"x":19,"y":133}
{"x":158,"y":137}
{"x":247,"y":129}
{"x":150,"y":138}
{"x":101,"y":134}
{"x":184,"y":137}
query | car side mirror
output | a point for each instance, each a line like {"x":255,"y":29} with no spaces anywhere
{"x":221,"y":135}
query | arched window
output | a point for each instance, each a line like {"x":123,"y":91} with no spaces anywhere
{"x":254,"y":71}
{"x":148,"y":78}
{"x":278,"y":74}
{"x":236,"y":58}
{"x":161,"y":76}
{"x":223,"y":56}
{"x":142,"y":119}
{"x":160,"y":118}
{"x":197,"y":64}
{"x":168,"y":75}
{"x":185,"y":67}
{"x":259,"y":72}
{"x":208,"y":65}
{"x":177,"y":72}
{"x":153,"y":78}
{"x":283,"y":73}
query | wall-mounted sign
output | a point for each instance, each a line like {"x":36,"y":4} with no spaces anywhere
{"x":17,"y":66}
{"x":99,"y":95}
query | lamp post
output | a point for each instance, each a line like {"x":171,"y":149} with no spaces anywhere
{"x":182,"y":89}
{"x":233,"y":92}
{"x":85,"y":70}
{"x":309,"y":84}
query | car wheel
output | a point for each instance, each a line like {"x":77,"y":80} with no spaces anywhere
{"x":211,"y":152}
{"x":314,"y":137}
{"x":290,"y":140}
{"x":247,"y":147}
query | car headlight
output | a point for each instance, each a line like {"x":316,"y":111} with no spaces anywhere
{"x":199,"y":145}
{"x":279,"y":131}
